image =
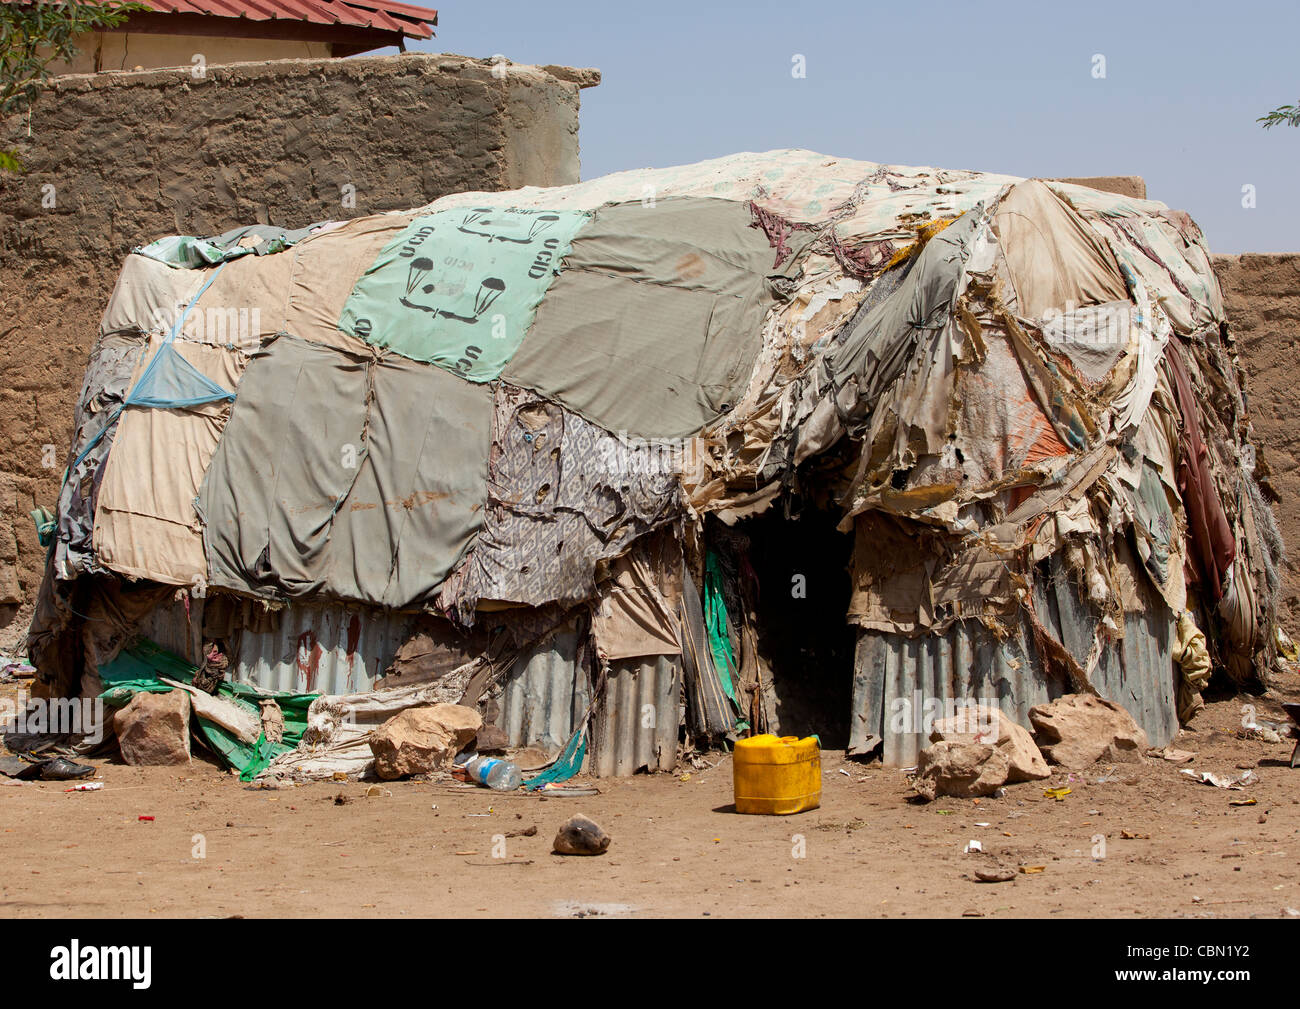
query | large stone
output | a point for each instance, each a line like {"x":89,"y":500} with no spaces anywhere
{"x":423,"y":739}
{"x":1077,"y":730}
{"x":154,"y":728}
{"x":984,"y":724}
{"x":963,"y":770}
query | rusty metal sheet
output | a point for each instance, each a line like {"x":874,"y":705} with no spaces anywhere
{"x":327,"y":649}
{"x":902,"y":684}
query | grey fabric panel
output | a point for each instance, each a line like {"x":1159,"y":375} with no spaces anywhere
{"x":654,"y":325}
{"x":1092,"y":337}
{"x":273,"y":239}
{"x":285,"y":513}
{"x":419,"y":496}
{"x":107,"y":381}
{"x":880,"y":340}
{"x":690,"y":243}
{"x":280,"y":469}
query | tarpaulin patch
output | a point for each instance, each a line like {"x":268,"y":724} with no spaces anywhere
{"x":459,"y":288}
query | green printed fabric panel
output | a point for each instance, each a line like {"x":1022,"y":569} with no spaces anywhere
{"x":458,"y":288}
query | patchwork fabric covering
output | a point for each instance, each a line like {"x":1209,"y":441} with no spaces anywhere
{"x":459,"y":288}
{"x":501,"y":408}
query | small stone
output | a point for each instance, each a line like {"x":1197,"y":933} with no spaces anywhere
{"x":995,"y":875}
{"x":579,"y":835}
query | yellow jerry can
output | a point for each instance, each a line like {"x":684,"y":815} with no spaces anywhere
{"x":777,"y":774}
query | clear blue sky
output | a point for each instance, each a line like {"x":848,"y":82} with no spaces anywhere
{"x":998,"y":86}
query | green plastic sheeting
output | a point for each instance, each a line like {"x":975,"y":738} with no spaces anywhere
{"x":566,"y":765}
{"x":190,"y":253}
{"x":142,"y":667}
{"x":458,"y":288}
{"x":715,"y":621}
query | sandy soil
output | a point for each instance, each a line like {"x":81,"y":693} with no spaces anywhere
{"x":678,"y":850}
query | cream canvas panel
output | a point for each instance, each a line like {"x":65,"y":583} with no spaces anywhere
{"x":149,"y":296}
{"x":1055,"y":258}
{"x":326,"y":267}
{"x":146,"y":525}
{"x":863,"y":197}
{"x":245,"y":303}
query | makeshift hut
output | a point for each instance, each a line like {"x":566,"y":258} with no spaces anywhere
{"x":771,"y":442}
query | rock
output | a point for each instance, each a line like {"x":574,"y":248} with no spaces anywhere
{"x":995,"y":874}
{"x":962,"y":770}
{"x":423,"y":739}
{"x":154,"y":728}
{"x":1077,"y":730}
{"x":985,"y":724}
{"x":491,"y":739}
{"x":580,"y":836}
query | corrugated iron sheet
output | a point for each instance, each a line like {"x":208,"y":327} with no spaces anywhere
{"x":634,"y":727}
{"x":340,"y":650}
{"x":636,"y":724}
{"x":315,"y":649}
{"x":177,"y":628}
{"x":544,"y":695}
{"x":902,"y":684}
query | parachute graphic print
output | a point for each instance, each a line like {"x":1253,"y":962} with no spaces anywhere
{"x":459,"y":288}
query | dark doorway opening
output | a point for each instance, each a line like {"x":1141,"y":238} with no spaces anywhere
{"x":802,"y":565}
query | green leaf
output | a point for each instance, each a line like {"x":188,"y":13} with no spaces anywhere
{"x":1283,"y":115}
{"x":35,"y":35}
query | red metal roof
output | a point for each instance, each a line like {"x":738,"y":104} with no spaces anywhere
{"x":383,"y":15}
{"x":414,"y":22}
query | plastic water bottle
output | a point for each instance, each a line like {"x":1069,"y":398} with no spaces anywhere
{"x":498,"y":775}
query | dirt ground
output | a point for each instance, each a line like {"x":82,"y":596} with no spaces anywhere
{"x":217,"y":848}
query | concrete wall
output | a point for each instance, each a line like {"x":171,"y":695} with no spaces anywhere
{"x":1262,"y":299}
{"x":115,"y":160}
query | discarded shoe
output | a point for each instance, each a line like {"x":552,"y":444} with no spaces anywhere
{"x":60,"y":769}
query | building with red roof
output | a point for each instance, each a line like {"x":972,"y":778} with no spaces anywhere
{"x":172,"y":33}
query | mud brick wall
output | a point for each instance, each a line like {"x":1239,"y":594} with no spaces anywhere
{"x":1262,"y":299}
{"x":116,"y":160}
